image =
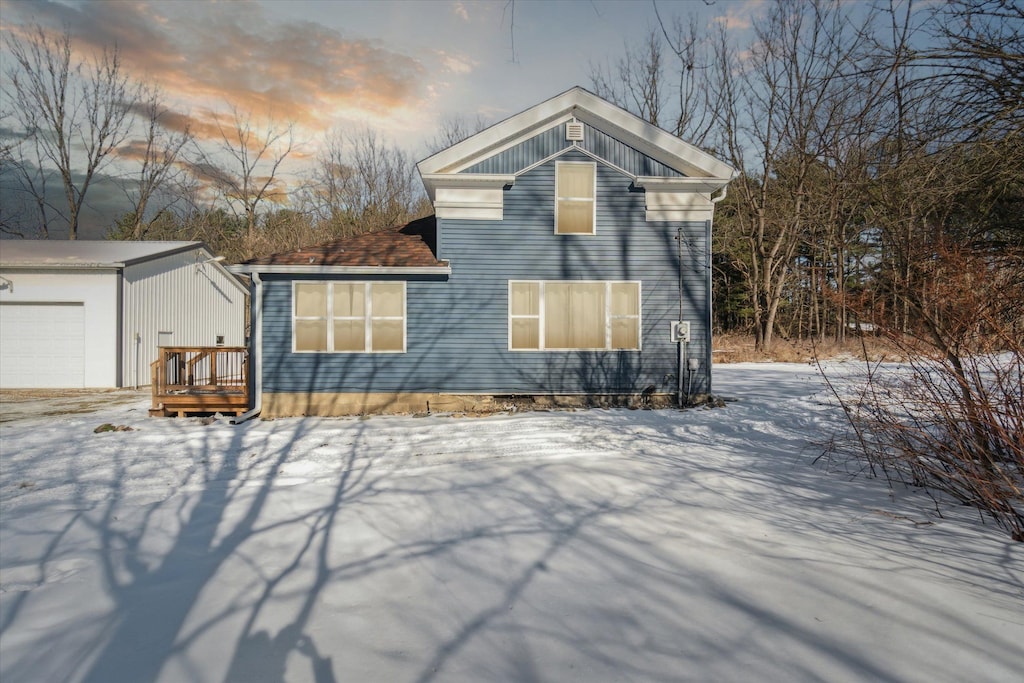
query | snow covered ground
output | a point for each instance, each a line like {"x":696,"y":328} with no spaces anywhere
{"x":602,"y":545}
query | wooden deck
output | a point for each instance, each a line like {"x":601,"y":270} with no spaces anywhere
{"x":200,"y":379}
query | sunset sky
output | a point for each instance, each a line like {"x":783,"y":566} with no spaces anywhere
{"x":398,"y":67}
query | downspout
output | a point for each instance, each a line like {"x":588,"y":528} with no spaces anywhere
{"x":682,"y":344}
{"x":711,"y":299}
{"x":119,"y":378}
{"x":255,"y":352}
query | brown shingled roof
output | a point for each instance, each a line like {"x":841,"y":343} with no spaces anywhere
{"x":412,"y":245}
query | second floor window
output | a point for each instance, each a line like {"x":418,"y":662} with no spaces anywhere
{"x":575,"y":190}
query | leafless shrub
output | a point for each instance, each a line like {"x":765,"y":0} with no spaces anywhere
{"x":740,"y":348}
{"x":951,"y":418}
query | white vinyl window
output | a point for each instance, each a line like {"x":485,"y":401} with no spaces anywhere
{"x":573,"y":315}
{"x":348,"y":317}
{"x":575,"y":190}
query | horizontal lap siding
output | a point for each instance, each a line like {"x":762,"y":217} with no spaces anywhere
{"x":427,"y":301}
{"x":622,"y":155}
{"x":457,"y":339}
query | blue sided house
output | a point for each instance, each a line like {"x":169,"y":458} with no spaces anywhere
{"x":566,"y":243}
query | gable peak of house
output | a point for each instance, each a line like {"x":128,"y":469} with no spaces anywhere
{"x":574,"y":105}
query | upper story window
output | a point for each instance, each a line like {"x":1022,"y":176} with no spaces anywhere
{"x":573,"y":315}
{"x":348,"y":317}
{"x":575,"y":190}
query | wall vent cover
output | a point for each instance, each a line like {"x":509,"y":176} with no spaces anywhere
{"x":574,"y":130}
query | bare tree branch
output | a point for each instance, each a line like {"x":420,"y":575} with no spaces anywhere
{"x":74,"y":114}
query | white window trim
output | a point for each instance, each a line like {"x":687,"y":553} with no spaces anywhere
{"x":367,"y":317}
{"x":593,"y":200}
{"x":608,"y":317}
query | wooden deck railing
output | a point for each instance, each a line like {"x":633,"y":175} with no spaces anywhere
{"x":200,"y":379}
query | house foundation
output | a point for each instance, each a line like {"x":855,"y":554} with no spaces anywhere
{"x":407,"y":403}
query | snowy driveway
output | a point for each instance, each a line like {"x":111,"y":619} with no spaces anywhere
{"x":575,"y":546}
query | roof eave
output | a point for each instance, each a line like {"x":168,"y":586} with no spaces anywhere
{"x":32,"y":265}
{"x":248,"y":268}
{"x":190,"y":246}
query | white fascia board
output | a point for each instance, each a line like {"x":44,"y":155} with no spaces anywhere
{"x":183,"y":247}
{"x":230,"y":276}
{"x":343,"y":270}
{"x":678,"y":215}
{"x":15,"y":265}
{"x":459,"y":212}
{"x":471,"y":180}
{"x":665,"y":184}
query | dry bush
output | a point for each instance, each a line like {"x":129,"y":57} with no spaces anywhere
{"x":736,"y":348}
{"x":951,"y":418}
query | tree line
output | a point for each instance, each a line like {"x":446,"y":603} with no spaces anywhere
{"x":874,"y":144}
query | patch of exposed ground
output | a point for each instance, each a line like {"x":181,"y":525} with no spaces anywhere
{"x":26,"y":404}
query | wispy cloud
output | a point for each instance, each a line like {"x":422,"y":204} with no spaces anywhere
{"x":460,"y":10}
{"x":211,"y":54}
{"x":456,"y":63}
{"x":740,"y":16}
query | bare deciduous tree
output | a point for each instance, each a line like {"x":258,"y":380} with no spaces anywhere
{"x":73,"y":114}
{"x":669,"y":88}
{"x":362,"y":184}
{"x":978,"y":64}
{"x":157,"y":152}
{"x":244,"y":164}
{"x":454,"y":129}
{"x":635,"y":81}
{"x":776,"y":110}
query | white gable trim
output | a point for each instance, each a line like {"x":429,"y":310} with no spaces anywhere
{"x":575,"y":148}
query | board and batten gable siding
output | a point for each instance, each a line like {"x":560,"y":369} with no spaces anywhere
{"x":177,"y":293}
{"x":457,"y":327}
{"x":552,"y":141}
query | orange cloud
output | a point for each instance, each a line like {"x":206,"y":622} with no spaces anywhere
{"x":216,"y":53}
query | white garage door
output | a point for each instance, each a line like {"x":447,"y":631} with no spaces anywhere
{"x":42,"y":345}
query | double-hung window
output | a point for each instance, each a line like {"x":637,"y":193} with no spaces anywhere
{"x":573,"y":315}
{"x":348,"y":317}
{"x":575,"y":190}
